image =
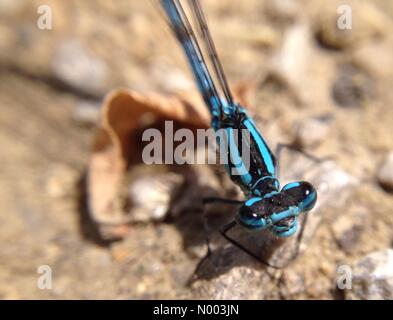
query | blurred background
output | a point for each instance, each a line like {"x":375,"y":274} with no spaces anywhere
{"x":328,"y":90}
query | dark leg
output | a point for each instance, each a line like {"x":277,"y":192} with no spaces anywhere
{"x":316,"y":160}
{"x":206,"y":230}
{"x":207,"y":201}
{"x":282,"y":146}
{"x":298,"y":242}
{"x":221,"y":200}
{"x":228,"y":227}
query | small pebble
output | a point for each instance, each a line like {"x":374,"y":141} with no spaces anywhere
{"x":290,"y":63}
{"x":334,"y":187}
{"x":301,"y":69}
{"x":372,"y":277}
{"x":61,"y":181}
{"x":151,"y":195}
{"x":141,"y":287}
{"x":283,"y":9}
{"x":121,"y":254}
{"x":80,"y":69}
{"x":170,"y":78}
{"x":385,"y":174}
{"x":348,"y":227}
{"x":311,"y":132}
{"x":352,"y":86}
{"x":292,"y":283}
{"x":325,"y":268}
{"x":86,"y":113}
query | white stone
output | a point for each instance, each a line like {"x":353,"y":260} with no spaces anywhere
{"x":372,"y":277}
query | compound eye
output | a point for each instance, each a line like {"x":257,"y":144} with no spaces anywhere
{"x":249,"y":216}
{"x":304,"y":193}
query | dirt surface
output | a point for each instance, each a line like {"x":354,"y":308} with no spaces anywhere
{"x":48,"y":76}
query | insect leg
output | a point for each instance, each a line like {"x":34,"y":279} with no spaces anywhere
{"x":298,"y":242}
{"x":281,"y":146}
{"x":207,"y":201}
{"x":228,"y":227}
{"x":221,"y":200}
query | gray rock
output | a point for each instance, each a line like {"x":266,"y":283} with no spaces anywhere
{"x":292,"y":283}
{"x":150,"y":195}
{"x":372,"y":277}
{"x":290,"y":63}
{"x":347,"y":228}
{"x":352,"y":86}
{"x":241,"y":282}
{"x":283,"y":9}
{"x":334,"y":186}
{"x":80,"y":69}
{"x":311,"y":132}
{"x":294,"y":63}
{"x":86,"y":113}
{"x":170,"y":78}
{"x":203,"y":184}
{"x":385,"y":174}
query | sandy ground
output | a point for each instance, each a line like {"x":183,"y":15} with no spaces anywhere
{"x":45,"y":148}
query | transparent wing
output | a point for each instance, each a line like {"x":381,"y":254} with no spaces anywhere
{"x":201,"y":20}
{"x":183,"y":30}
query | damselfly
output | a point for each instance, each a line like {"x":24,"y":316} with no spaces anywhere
{"x":268,"y":206}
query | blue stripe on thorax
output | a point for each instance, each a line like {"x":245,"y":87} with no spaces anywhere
{"x":262,"y":146}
